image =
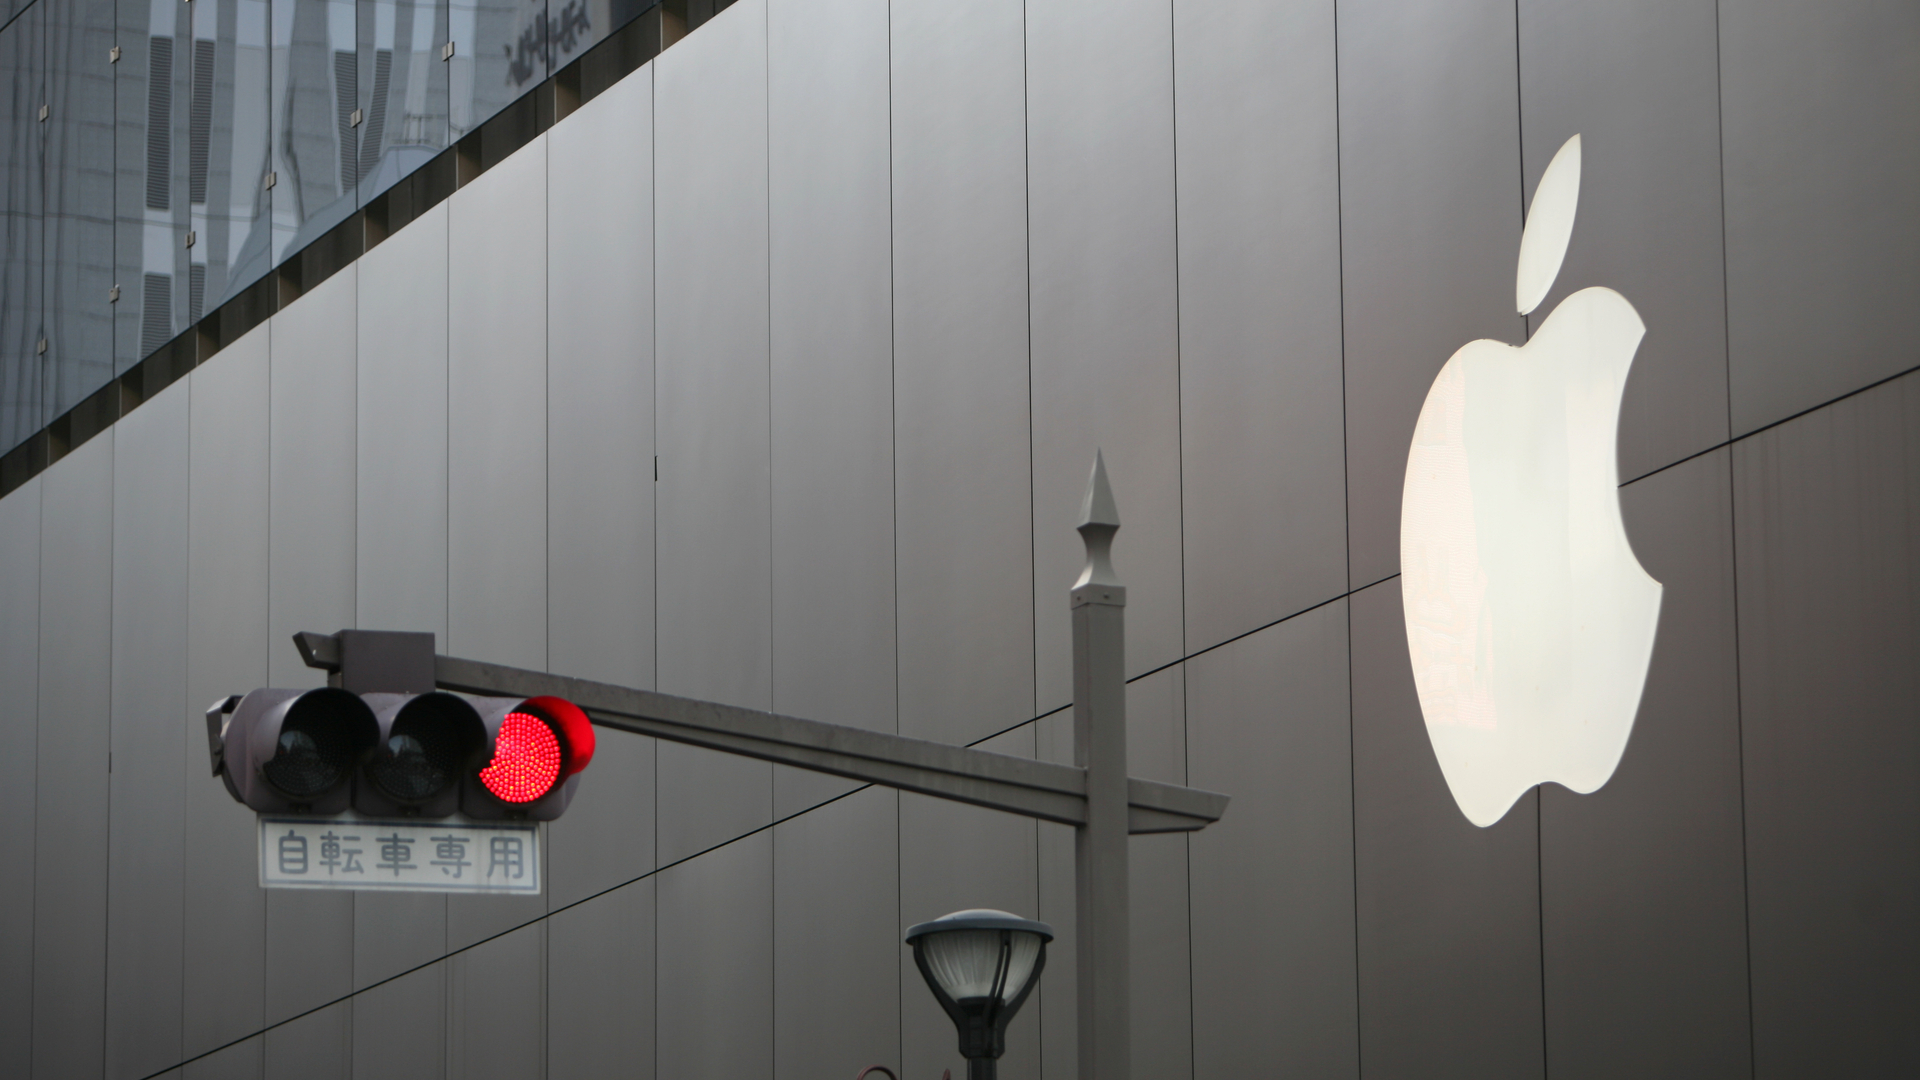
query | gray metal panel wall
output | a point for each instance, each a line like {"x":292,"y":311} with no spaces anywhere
{"x":714,"y":996}
{"x":1268,"y":722}
{"x":312,"y":472}
{"x":241,"y":1061}
{"x":1160,"y":889}
{"x":496,"y":413}
{"x":224,"y":910}
{"x":19,"y":674}
{"x":1263,"y":489}
{"x":395,"y":933}
{"x":607,"y":836}
{"x":146,"y":821}
{"x":954,"y":857}
{"x":1106,"y":361}
{"x":397,"y":1030}
{"x":1826,"y":521}
{"x":600,"y":465}
{"x":1430,"y":210}
{"x":600,"y":986}
{"x":831,"y":365}
{"x":401,"y":517}
{"x":497,"y":448}
{"x":836,"y":946}
{"x":310,"y":567}
{"x":497,"y":1007}
{"x":712,"y":413}
{"x":1821,"y":134}
{"x":319,"y":1045}
{"x":600,"y":387}
{"x":962,"y":456}
{"x":70,"y":771}
{"x":1642,"y":882}
{"x":1447,"y":914}
{"x":1637,"y":81}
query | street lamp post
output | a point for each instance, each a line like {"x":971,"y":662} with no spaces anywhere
{"x":1094,"y":794}
{"x":1101,"y":926}
{"x":981,"y":965}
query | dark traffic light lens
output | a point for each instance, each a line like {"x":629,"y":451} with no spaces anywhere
{"x":424,"y":751}
{"x":314,"y":755}
{"x":526,"y":759}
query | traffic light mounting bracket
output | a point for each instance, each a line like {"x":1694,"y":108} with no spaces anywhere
{"x":372,"y":661}
{"x":1038,"y":789}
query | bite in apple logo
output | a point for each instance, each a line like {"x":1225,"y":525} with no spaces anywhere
{"x":1529,"y":621}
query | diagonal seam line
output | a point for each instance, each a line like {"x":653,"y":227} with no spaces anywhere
{"x":1770,"y":426}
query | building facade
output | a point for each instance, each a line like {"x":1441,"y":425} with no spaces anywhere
{"x":770,"y":371}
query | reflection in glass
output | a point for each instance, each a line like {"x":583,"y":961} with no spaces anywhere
{"x":227,"y":152}
{"x":228,"y":135}
{"x":404,"y":83}
{"x":153,"y":92}
{"x":316,"y":151}
{"x":22,"y":90}
{"x":78,"y":163}
{"x":500,"y":53}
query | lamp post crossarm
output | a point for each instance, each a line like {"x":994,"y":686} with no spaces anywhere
{"x":1037,"y":789}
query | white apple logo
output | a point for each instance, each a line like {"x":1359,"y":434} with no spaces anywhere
{"x":1529,"y":621}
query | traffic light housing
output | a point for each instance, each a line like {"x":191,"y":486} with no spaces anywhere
{"x":292,"y":751}
{"x":428,"y":742}
{"x":536,"y":748}
{"x":400,"y":755}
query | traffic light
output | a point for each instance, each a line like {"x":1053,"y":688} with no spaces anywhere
{"x":292,"y":751}
{"x":427,"y":743}
{"x":536,"y":748}
{"x":400,"y":755}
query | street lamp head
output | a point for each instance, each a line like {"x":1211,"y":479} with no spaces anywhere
{"x":980,"y":965}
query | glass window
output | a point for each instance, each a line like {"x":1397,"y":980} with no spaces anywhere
{"x":79,"y":203}
{"x":316,"y":92}
{"x":500,"y":53}
{"x":22,"y":92}
{"x":404,"y":83}
{"x":153,"y":92}
{"x":228,"y":151}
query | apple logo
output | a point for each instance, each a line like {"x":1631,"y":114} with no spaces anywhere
{"x":1529,"y":621}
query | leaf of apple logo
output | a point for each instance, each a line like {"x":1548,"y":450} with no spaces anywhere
{"x":1529,"y":621}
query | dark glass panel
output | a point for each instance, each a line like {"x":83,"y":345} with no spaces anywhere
{"x":316,"y":151}
{"x":22,"y":92}
{"x":79,"y":202}
{"x":404,"y":83}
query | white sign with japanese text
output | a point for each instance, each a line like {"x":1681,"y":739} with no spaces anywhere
{"x":447,"y":855}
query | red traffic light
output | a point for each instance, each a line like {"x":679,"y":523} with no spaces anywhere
{"x":526,"y":759}
{"x":537,"y":745}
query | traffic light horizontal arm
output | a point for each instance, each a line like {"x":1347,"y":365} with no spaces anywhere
{"x":1038,"y":789}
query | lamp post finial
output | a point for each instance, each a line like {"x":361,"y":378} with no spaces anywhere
{"x":1099,"y":520}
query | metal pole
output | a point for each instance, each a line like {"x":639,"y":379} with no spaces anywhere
{"x":1100,"y":747}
